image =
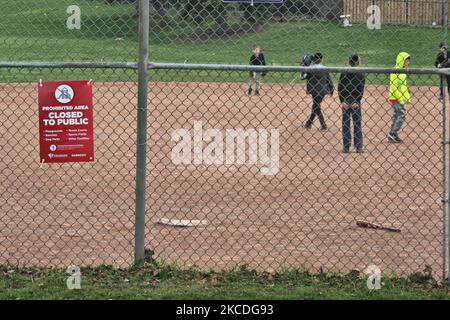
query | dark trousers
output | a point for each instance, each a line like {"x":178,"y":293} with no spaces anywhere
{"x":443,"y":87}
{"x":316,"y":111}
{"x":355,"y":115}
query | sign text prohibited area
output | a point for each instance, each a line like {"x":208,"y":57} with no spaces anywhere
{"x":66,"y":131}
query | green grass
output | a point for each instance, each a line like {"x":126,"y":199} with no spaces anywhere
{"x":284,"y":44}
{"x":36,"y":30}
{"x":165,"y":282}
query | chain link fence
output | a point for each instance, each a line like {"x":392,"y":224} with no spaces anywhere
{"x":211,"y":31}
{"x":62,"y":214}
{"x":293,"y":199}
{"x":230,"y":178}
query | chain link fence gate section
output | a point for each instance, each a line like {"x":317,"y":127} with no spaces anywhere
{"x":80,"y":213}
{"x":269,"y":194}
{"x":301,"y":216}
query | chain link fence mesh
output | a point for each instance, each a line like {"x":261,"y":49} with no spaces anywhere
{"x":301,"y":216}
{"x":304,"y":214}
{"x":59,"y":214}
{"x":63,"y":30}
{"x":211,"y":31}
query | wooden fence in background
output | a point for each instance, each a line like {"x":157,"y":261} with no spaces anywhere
{"x":402,"y":12}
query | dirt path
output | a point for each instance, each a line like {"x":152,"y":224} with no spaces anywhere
{"x":301,"y":217}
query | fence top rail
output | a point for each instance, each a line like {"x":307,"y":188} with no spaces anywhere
{"x":232,"y":67}
{"x":217,"y":67}
{"x":71,"y":64}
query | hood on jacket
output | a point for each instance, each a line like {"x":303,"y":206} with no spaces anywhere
{"x":402,"y":56}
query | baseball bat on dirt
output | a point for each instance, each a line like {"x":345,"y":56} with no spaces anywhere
{"x":369,"y":225}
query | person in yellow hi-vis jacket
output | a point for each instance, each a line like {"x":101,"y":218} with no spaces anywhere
{"x":399,"y":96}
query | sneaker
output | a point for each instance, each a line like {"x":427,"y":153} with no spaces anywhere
{"x":345,"y":151}
{"x":323,"y":128}
{"x":398,"y":139}
{"x":393,"y":139}
{"x":360,"y":150}
{"x":305,"y":126}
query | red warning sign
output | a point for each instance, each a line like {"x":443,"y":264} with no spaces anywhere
{"x":66,"y":130}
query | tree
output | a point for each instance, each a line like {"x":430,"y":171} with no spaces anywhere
{"x":219,"y":16}
{"x":160,"y":7}
{"x":249,"y":13}
{"x":161,"y":12}
{"x":192,"y":10}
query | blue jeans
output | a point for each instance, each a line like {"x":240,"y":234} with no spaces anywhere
{"x":356,"y":115}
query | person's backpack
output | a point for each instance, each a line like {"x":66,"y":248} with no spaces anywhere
{"x":307,"y":60}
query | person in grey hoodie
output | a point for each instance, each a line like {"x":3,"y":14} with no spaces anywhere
{"x":319,"y":85}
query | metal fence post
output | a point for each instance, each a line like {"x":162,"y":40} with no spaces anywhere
{"x":445,"y":171}
{"x":445,"y":199}
{"x":141,"y":153}
{"x":445,"y":22}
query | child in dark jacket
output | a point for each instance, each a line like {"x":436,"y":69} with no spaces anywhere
{"x":257,"y":59}
{"x":318,"y":85}
{"x":351,"y":91}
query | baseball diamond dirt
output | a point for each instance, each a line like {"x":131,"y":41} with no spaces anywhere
{"x":304,"y":216}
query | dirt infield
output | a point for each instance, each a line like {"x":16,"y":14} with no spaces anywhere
{"x":302,"y":217}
